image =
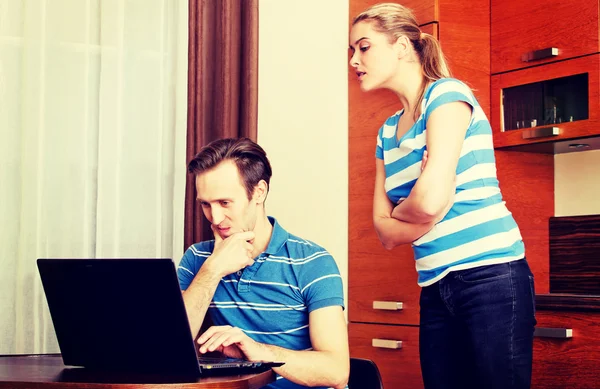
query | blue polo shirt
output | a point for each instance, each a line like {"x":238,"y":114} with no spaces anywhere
{"x":270,"y":300}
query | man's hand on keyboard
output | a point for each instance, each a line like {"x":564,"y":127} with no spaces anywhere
{"x":232,"y":342}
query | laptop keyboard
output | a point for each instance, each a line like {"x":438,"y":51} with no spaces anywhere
{"x":204,"y":359}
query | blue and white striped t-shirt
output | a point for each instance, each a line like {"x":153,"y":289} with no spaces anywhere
{"x":478,"y":230}
{"x":271,"y":299}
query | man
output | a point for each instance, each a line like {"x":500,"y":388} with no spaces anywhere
{"x":271,"y":295}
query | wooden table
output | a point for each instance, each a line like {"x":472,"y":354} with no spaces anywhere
{"x":48,"y":371}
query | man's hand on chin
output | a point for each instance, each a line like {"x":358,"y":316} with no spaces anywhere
{"x":231,"y":254}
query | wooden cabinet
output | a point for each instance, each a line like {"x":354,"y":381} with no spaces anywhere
{"x":567,"y":362}
{"x":395,"y":350}
{"x":588,"y":65}
{"x":527,"y":185}
{"x":383,"y":288}
{"x":383,"y":291}
{"x":464,"y":37}
{"x":520,"y":27}
{"x":545,"y":54}
{"x":425,"y":11}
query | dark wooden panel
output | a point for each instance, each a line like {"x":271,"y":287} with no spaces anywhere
{"x":399,"y":368}
{"x":575,"y":254}
{"x":521,"y":26}
{"x":567,"y":363}
{"x":567,"y":302}
{"x":527,"y":184}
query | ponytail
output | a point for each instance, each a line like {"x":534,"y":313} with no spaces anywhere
{"x":433,"y":63}
{"x":432,"y":58}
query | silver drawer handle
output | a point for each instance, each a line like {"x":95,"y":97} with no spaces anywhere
{"x":541,"y":132}
{"x":540,"y":54}
{"x":387,"y":305}
{"x":559,"y":333}
{"x":386,"y":343}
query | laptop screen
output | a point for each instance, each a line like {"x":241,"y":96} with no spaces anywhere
{"x":119,"y":314}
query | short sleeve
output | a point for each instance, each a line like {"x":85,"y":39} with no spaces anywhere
{"x":321,"y":283}
{"x":446,"y":91}
{"x":379,"y":148}
{"x":193,"y":259}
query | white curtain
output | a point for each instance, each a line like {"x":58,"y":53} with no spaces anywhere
{"x":92,"y":143}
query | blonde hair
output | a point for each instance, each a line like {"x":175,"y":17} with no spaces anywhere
{"x":396,"y":20}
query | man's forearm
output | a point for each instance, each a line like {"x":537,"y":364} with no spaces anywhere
{"x":198,"y":296}
{"x":310,"y":368}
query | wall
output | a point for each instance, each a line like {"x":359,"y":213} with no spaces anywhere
{"x":577,"y":183}
{"x":303,"y":118}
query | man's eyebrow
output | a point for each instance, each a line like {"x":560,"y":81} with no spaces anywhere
{"x":213,"y":201}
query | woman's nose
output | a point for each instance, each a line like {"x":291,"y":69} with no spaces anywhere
{"x":354,"y":60}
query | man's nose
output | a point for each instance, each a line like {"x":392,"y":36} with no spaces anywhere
{"x":217,"y":215}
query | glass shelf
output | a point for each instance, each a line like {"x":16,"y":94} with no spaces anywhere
{"x":546,"y":102}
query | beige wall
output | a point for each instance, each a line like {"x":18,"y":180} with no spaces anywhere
{"x":577,"y":183}
{"x":303,"y":118}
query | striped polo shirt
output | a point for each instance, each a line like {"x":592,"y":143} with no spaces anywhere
{"x":479,"y":229}
{"x":270,"y":300}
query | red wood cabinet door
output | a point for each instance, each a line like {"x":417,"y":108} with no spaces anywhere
{"x":465,"y":39}
{"x":400,"y":367}
{"x":522,"y":26}
{"x":568,"y":130}
{"x":527,"y":184}
{"x":574,"y":362}
{"x":377,"y":278}
{"x":375,"y":274}
{"x":425,"y":11}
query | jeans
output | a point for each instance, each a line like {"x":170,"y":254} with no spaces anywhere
{"x":476,"y":328}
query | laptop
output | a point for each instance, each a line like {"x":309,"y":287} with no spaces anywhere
{"x":126,"y":315}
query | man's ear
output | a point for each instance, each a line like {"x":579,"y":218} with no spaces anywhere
{"x":402,"y":46}
{"x":260,"y":192}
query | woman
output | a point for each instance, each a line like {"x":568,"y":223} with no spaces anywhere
{"x":436,"y":187}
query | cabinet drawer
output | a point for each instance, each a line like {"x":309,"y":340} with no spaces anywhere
{"x":567,"y":362}
{"x":588,"y":65}
{"x":521,"y":27}
{"x":399,"y":368}
{"x":383,"y":284}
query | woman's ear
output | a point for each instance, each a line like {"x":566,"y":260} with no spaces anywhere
{"x":260,"y":192}
{"x":402,"y":46}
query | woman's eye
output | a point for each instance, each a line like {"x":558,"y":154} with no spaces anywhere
{"x":224,"y":203}
{"x":364,"y":48}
